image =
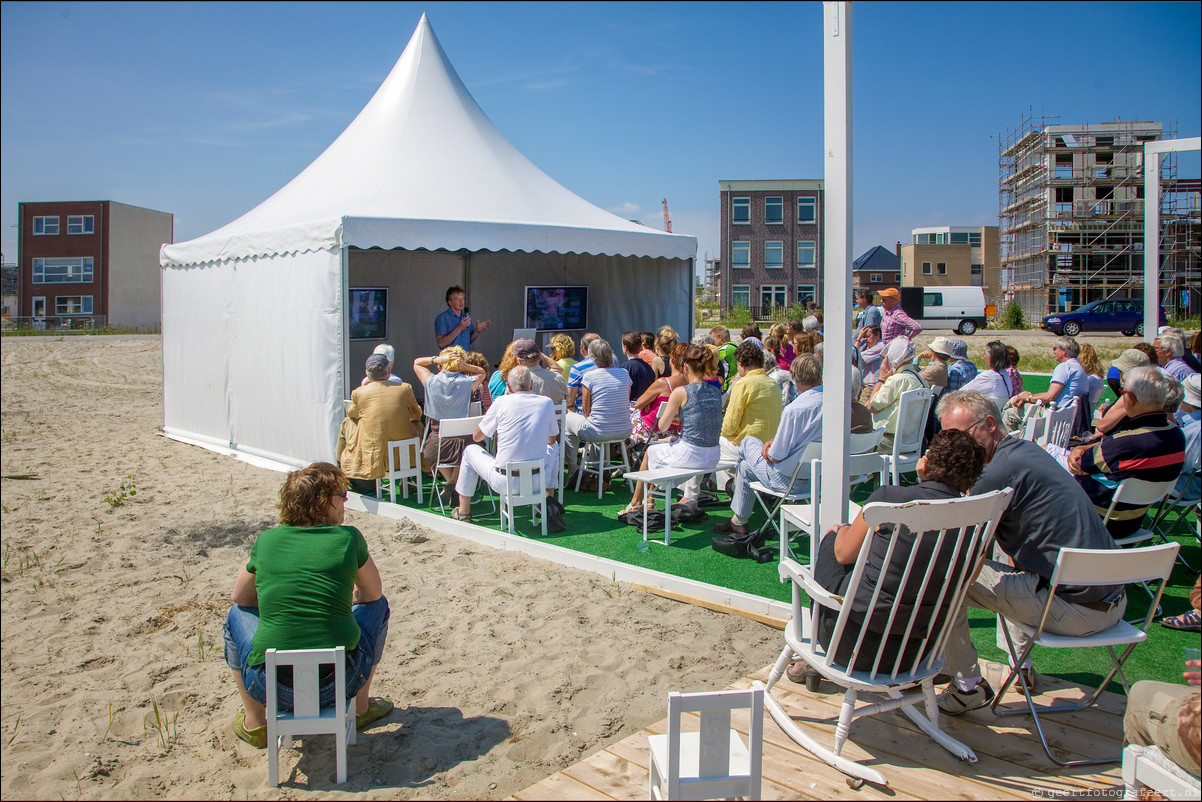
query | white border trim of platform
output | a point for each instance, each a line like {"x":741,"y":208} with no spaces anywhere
{"x":503,"y":541}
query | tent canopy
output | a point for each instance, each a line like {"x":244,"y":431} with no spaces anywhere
{"x":422,"y":167}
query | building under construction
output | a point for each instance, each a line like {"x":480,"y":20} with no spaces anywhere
{"x":1071,"y":217}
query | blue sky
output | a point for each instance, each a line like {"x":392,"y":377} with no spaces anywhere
{"x":205,"y":109}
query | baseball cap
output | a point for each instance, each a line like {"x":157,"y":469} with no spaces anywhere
{"x":525,"y":348}
{"x":890,"y":292}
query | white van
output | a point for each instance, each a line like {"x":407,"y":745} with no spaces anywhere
{"x":962,"y":309}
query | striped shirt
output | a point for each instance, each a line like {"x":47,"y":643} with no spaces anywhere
{"x":895,"y":323}
{"x":1148,"y":447}
{"x":576,"y":376}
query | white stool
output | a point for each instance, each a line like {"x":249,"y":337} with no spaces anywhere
{"x":603,"y":463}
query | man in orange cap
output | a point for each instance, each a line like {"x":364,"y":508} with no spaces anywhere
{"x":895,"y":322}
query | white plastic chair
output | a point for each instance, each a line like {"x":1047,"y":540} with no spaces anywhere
{"x":452,"y":427}
{"x":1058,"y":426}
{"x":1034,"y":422}
{"x":712,"y":763}
{"x":524,"y":486}
{"x":1179,"y":501}
{"x":937,"y":567}
{"x":604,"y":463}
{"x":404,"y":463}
{"x":1087,"y":567}
{"x":307,"y":716}
{"x":912,"y":410}
{"x":1141,"y":493}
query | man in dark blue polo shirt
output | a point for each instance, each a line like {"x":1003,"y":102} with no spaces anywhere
{"x":455,"y":326}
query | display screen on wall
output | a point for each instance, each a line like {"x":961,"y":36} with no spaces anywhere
{"x":556,"y":308}
{"x":369,"y":313}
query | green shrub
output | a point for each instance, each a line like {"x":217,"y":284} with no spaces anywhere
{"x":1013,"y":317}
{"x":737,"y":318}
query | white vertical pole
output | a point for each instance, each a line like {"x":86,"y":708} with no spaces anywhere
{"x":1151,"y":243}
{"x":836,"y":262}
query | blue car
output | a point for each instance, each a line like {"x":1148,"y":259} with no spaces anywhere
{"x":1117,"y":314}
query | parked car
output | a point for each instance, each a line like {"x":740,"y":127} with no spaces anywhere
{"x":1117,"y":314}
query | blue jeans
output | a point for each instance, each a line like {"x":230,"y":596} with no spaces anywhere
{"x":242,"y":622}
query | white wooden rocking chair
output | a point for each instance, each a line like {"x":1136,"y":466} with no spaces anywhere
{"x":961,"y":532}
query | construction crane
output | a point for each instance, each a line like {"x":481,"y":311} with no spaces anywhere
{"x":667,"y":220}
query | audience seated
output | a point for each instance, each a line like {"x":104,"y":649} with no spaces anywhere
{"x":448,"y":395}
{"x":754,"y":407}
{"x":775,"y":462}
{"x":382,"y":411}
{"x":1068,"y":382}
{"x":647,"y":351}
{"x":1187,"y":417}
{"x":390,"y":354}
{"x":642,"y":375}
{"x":562,"y":349}
{"x":524,"y":425}
{"x":868,"y":356}
{"x":935,"y":373}
{"x":994,"y":381}
{"x":480,"y":394}
{"x":1167,"y":715}
{"x":960,"y":369}
{"x":699,"y":406}
{"x":496,"y":382}
{"x":1113,"y":413}
{"x":896,"y":376}
{"x":1170,"y":350}
{"x":576,"y":374}
{"x":949,"y":469}
{"x":1088,"y":358}
{"x":605,"y":396}
{"x":1048,"y":511}
{"x":644,"y":412}
{"x":1016,"y":378}
{"x":665,"y":341}
{"x":546,"y":380}
{"x":726,"y":352}
{"x":1145,"y":445}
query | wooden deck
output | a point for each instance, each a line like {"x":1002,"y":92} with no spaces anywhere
{"x":1011,"y":763}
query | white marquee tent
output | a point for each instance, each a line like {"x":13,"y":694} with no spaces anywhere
{"x":419,"y":193}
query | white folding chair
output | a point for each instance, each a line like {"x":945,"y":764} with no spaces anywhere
{"x":525,"y":485}
{"x":860,"y":468}
{"x":604,"y":464}
{"x":912,"y":410}
{"x":935,"y":547}
{"x":1034,"y":422}
{"x":1086,"y":568}
{"x":404,"y":464}
{"x":790,"y":495}
{"x":713,"y":762}
{"x":1146,"y":768}
{"x":447,"y":428}
{"x":1140,"y":493}
{"x":307,"y":716}
{"x":1183,"y":503}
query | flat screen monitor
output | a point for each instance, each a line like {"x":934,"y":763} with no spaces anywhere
{"x":557,"y":308}
{"x":369,"y":313}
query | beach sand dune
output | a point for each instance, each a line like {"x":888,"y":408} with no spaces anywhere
{"x":119,"y":551}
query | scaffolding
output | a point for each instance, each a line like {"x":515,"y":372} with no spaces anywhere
{"x":1071,"y":216}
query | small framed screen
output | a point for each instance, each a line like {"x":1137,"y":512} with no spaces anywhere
{"x":369,"y":313}
{"x":557,"y":308}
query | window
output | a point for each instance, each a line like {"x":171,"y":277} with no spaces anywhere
{"x":806,"y":294}
{"x":807,"y":210}
{"x":959,"y":238}
{"x":774,"y":255}
{"x":932,"y":299}
{"x":897,"y":278}
{"x":774,"y":210}
{"x":941,"y":268}
{"x":45,"y":225}
{"x":740,"y":254}
{"x":740,"y":295}
{"x":806,"y":254}
{"x":975,"y":240}
{"x":876,"y":278}
{"x":740,"y":211}
{"x":65,"y":270}
{"x":773,"y":295}
{"x":81,"y":224}
{"x":926,"y":268}
{"x":978,"y":269}
{"x":73,"y":305}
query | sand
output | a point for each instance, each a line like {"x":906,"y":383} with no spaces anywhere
{"x":504,"y":669}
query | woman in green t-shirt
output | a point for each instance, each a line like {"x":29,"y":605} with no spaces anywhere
{"x":309,"y":584}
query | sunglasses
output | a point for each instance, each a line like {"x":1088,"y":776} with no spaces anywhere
{"x":343,"y":495}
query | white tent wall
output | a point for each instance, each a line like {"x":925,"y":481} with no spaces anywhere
{"x":253,"y":354}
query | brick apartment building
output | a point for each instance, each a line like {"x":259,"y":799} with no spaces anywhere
{"x":91,"y":263}
{"x":772,"y":249}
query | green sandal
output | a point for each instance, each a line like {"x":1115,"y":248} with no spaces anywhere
{"x":377,"y":708}
{"x":256,"y":738}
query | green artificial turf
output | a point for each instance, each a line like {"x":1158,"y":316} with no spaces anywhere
{"x":593,"y":528}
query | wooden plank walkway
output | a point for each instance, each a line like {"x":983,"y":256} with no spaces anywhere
{"x":1011,"y":763}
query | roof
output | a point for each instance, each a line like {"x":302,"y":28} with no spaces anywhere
{"x":422,"y":166}
{"x":878,"y":259}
